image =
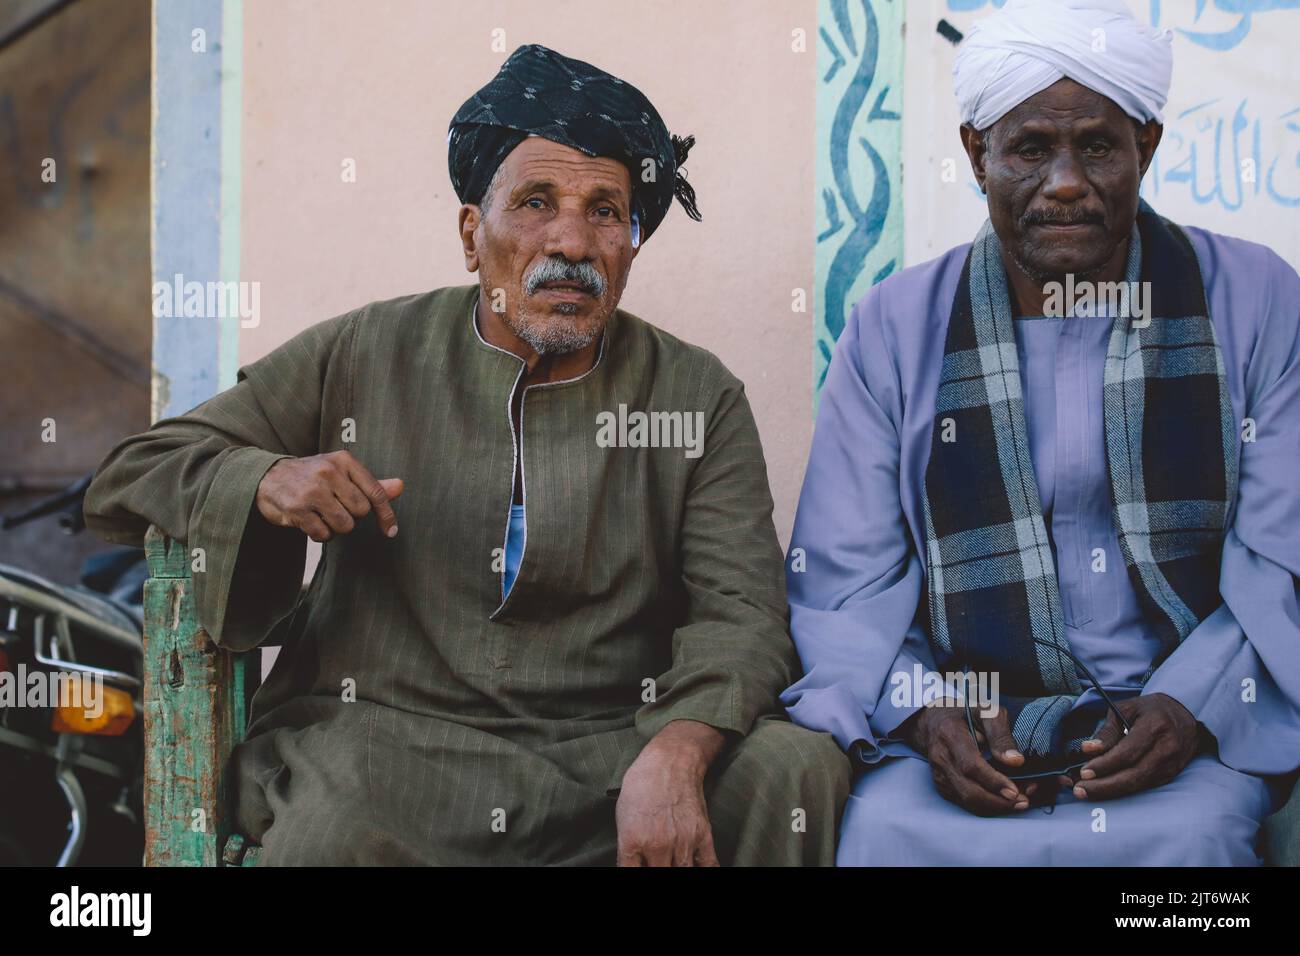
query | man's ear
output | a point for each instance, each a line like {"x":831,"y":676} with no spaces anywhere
{"x":973,"y":141}
{"x":1148,"y":138}
{"x":469,"y":218}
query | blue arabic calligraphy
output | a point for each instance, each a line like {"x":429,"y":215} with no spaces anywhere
{"x":1219,"y":156}
{"x":1218,"y":41}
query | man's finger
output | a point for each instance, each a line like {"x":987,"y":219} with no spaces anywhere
{"x":705,"y":855}
{"x":968,"y":790}
{"x":629,"y":856}
{"x":277,"y":516}
{"x":657,"y":854}
{"x":335,"y":516}
{"x":1121,"y":784}
{"x":972,"y":765}
{"x":350,"y":497}
{"x":1001,"y":744}
{"x":975,"y":798}
{"x":313,"y":527}
{"x":1131,"y":748}
{"x":1107,"y":737}
{"x":377,"y":492}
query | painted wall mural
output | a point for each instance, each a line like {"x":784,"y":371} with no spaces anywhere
{"x":859,"y":159}
{"x":1182,"y":15}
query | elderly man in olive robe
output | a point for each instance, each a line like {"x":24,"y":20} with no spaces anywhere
{"x":572,"y":650}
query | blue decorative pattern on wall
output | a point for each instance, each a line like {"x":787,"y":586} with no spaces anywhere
{"x":859,"y":159}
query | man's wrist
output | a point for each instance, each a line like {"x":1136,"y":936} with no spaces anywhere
{"x":909,"y":730}
{"x":693,"y":742}
{"x":906,"y":730}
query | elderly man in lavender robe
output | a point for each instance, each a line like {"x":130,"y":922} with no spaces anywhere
{"x":1043,"y":574}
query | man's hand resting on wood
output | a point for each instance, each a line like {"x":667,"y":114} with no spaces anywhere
{"x":324,"y":495}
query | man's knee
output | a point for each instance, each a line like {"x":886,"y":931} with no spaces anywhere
{"x":776,"y":797}
{"x":804,"y":770}
{"x":334,"y":833}
{"x":1210,"y":816}
{"x":309,"y":834}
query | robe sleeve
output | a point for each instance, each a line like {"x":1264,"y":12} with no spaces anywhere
{"x":196,"y":475}
{"x":1238,"y":671}
{"x":731,"y":655}
{"x":853,"y":575}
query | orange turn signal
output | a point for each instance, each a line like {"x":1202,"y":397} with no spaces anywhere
{"x":108,"y":717}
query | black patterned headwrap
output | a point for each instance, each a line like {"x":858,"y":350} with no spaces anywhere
{"x":540,"y":92}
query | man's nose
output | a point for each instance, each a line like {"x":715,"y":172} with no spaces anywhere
{"x":1066,"y":180}
{"x":569,"y":234}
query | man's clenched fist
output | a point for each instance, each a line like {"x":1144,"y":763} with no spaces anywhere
{"x":324,"y":495}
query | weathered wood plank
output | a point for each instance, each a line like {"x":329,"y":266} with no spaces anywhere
{"x":193,"y":712}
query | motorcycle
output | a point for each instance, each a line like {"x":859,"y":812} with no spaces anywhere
{"x":71,"y":723}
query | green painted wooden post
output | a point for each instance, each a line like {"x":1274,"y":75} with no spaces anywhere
{"x":195,"y":692}
{"x":194,"y":713}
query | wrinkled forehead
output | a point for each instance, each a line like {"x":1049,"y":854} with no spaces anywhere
{"x":552,"y":166}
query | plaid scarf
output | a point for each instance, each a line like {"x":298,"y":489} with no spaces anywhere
{"x":1171,"y":456}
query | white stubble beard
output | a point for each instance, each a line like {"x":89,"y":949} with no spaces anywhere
{"x":554,"y":335}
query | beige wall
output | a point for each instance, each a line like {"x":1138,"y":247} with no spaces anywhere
{"x":378,"y":83}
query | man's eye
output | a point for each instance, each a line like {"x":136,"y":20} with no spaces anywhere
{"x":1098,"y":148}
{"x":540,"y":203}
{"x":607,"y":212}
{"x":1030,"y":152}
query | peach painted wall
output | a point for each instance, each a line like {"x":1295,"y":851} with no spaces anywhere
{"x":378,"y":83}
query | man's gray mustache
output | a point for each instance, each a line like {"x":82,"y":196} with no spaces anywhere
{"x":560,"y":269}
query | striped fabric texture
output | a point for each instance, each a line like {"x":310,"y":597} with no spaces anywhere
{"x":993,"y":603}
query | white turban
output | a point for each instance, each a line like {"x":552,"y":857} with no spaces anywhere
{"x":1031,"y":44}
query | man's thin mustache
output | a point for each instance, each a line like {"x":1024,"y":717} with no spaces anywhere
{"x":1062,"y":219}
{"x":560,"y":269}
